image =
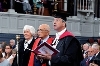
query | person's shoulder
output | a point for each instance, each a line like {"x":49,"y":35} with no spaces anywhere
{"x":69,"y":37}
{"x":72,"y":38}
{"x":6,"y":62}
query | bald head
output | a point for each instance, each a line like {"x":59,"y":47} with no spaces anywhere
{"x":43,"y":31}
{"x":90,"y":49}
{"x":45,"y":27}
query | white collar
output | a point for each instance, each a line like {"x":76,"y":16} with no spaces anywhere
{"x":29,"y":41}
{"x":44,"y":40}
{"x":97,"y":54}
{"x":60,"y":33}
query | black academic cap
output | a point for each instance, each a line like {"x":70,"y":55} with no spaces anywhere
{"x":60,"y":15}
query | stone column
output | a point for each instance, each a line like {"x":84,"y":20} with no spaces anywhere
{"x":65,"y":5}
{"x":11,"y":4}
{"x":11,"y":10}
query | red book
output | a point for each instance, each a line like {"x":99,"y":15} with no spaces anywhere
{"x":46,"y":47}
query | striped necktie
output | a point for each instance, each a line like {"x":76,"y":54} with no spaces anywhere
{"x":87,"y":61}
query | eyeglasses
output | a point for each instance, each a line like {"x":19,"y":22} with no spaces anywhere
{"x":89,"y":51}
{"x":41,"y":30}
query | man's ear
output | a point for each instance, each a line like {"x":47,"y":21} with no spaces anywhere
{"x":63,"y":23}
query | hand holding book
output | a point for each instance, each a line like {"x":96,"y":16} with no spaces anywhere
{"x":45,"y":51}
{"x":44,"y":56}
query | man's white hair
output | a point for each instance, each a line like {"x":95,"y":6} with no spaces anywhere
{"x":46,"y":26}
{"x":28,"y":27}
{"x":95,"y":46}
{"x":12,"y":40}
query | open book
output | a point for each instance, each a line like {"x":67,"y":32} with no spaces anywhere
{"x":45,"y":47}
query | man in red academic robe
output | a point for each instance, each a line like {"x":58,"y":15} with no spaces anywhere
{"x":43,"y":34}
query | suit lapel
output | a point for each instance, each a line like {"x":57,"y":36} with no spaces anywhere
{"x":59,"y":44}
{"x":63,"y":36}
{"x":98,"y":55}
{"x":62,"y":41}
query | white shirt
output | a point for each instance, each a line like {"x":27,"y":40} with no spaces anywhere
{"x":44,"y":40}
{"x":96,"y":54}
{"x":91,"y":57}
{"x":10,"y":58}
{"x":60,"y":33}
{"x":3,"y":54}
{"x":58,"y":36}
{"x":27,"y":42}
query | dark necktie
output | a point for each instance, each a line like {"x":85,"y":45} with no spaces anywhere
{"x":87,"y":61}
{"x":40,"y":43}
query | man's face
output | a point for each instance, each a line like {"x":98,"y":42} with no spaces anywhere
{"x":90,"y":52}
{"x":8,"y":49}
{"x":12,"y":43}
{"x":95,"y":50}
{"x":85,"y":47}
{"x":58,"y":23}
{"x":42,"y":32}
{"x":27,"y":34}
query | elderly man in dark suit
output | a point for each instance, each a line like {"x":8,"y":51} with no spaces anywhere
{"x":96,"y":59}
{"x":90,"y":55}
{"x":70,"y":50}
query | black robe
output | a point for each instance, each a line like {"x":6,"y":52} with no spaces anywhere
{"x":70,"y":52}
{"x":23,"y":55}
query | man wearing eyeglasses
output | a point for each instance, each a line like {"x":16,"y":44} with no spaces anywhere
{"x":90,"y":54}
{"x":43,"y":36}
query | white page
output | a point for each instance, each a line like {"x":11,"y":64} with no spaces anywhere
{"x":43,"y":50}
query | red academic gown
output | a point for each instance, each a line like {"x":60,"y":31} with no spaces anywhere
{"x":31,"y":61}
{"x":70,"y":51}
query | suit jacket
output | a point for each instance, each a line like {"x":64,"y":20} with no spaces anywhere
{"x":23,"y":55}
{"x":70,"y":52}
{"x":96,"y":59}
{"x":83,"y":62}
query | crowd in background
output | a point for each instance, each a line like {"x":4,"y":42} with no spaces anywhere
{"x":27,"y":6}
{"x":89,"y":50}
{"x":91,"y":54}
{"x":7,"y":53}
{"x":70,"y":51}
